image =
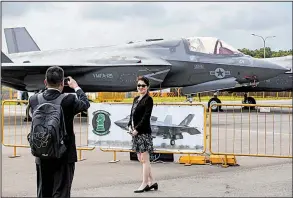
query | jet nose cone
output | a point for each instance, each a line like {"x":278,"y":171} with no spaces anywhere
{"x":269,"y":69}
{"x":119,"y":123}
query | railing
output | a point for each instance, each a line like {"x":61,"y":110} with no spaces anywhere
{"x":15,"y":127}
{"x":256,"y":130}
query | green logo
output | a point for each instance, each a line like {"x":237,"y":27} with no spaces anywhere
{"x":101,"y":122}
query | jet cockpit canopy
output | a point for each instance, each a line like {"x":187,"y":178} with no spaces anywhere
{"x":211,"y":45}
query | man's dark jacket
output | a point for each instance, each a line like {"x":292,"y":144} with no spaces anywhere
{"x":71,"y":106}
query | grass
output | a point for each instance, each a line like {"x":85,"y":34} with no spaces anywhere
{"x":203,"y":99}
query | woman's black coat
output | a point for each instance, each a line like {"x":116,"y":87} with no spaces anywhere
{"x":142,"y":114}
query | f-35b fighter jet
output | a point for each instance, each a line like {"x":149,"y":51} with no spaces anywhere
{"x":167,"y":63}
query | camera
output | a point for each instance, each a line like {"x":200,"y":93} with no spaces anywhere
{"x":66,"y":81}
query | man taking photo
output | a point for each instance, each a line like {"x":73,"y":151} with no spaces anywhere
{"x":52,"y":138}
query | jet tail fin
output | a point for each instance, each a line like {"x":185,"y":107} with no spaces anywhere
{"x":168,"y":119}
{"x":187,"y":120}
{"x":5,"y":59}
{"x":19,"y":40}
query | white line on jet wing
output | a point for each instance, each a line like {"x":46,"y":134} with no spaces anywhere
{"x":153,"y":74}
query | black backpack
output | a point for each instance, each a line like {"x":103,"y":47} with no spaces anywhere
{"x":48,"y":131}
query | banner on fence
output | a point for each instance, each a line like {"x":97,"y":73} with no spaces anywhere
{"x":174,"y":127}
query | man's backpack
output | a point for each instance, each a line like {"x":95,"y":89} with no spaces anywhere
{"x":48,"y":131}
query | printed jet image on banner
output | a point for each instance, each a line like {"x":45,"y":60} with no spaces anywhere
{"x":174,"y":128}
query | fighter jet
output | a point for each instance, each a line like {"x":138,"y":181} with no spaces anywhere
{"x":166,"y":129}
{"x":168,"y":63}
{"x":282,"y":82}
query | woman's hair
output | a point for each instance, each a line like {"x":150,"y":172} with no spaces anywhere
{"x":144,"y":79}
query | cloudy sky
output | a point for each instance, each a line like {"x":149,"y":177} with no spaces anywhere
{"x":80,"y":24}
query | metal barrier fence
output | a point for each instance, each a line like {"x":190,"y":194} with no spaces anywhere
{"x":265,"y":131}
{"x":241,"y":130}
{"x":15,"y":128}
{"x":8,"y":94}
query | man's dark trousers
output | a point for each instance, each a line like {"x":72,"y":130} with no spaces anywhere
{"x":54,"y":178}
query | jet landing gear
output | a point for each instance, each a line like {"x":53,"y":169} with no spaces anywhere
{"x":175,"y":137}
{"x":248,"y":100}
{"x":215,"y":100}
{"x":189,"y":98}
{"x":28,"y":114}
{"x":172,"y":142}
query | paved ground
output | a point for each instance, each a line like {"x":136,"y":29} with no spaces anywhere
{"x":96,"y":177}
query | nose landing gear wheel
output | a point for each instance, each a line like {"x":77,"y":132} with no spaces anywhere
{"x":212,"y":101}
{"x":249,"y":100}
{"x":28,"y":114}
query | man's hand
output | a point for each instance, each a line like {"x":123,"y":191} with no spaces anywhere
{"x":72,"y":83}
{"x":134,"y":133}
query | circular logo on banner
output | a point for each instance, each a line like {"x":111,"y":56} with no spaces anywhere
{"x":101,"y":122}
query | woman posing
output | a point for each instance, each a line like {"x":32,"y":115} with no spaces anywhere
{"x":140,"y":128}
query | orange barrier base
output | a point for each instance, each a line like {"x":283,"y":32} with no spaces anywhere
{"x":228,"y":160}
{"x":220,"y":159}
{"x":189,"y":160}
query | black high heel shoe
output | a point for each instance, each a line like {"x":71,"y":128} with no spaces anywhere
{"x":144,"y":189}
{"x":154,"y":186}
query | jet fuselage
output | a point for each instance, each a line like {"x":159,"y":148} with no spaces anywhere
{"x":168,"y":64}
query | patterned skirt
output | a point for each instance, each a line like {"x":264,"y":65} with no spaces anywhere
{"x":142,"y":143}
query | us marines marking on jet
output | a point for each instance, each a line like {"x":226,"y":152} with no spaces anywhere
{"x":220,"y":73}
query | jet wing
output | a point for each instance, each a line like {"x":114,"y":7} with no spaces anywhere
{"x":156,"y":70}
{"x":215,"y":85}
{"x":25,"y":72}
{"x":115,"y":58}
{"x":34,"y":66}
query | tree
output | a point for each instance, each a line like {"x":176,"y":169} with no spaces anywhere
{"x":258,"y":53}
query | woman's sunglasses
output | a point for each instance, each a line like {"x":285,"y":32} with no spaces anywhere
{"x":139,"y":85}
